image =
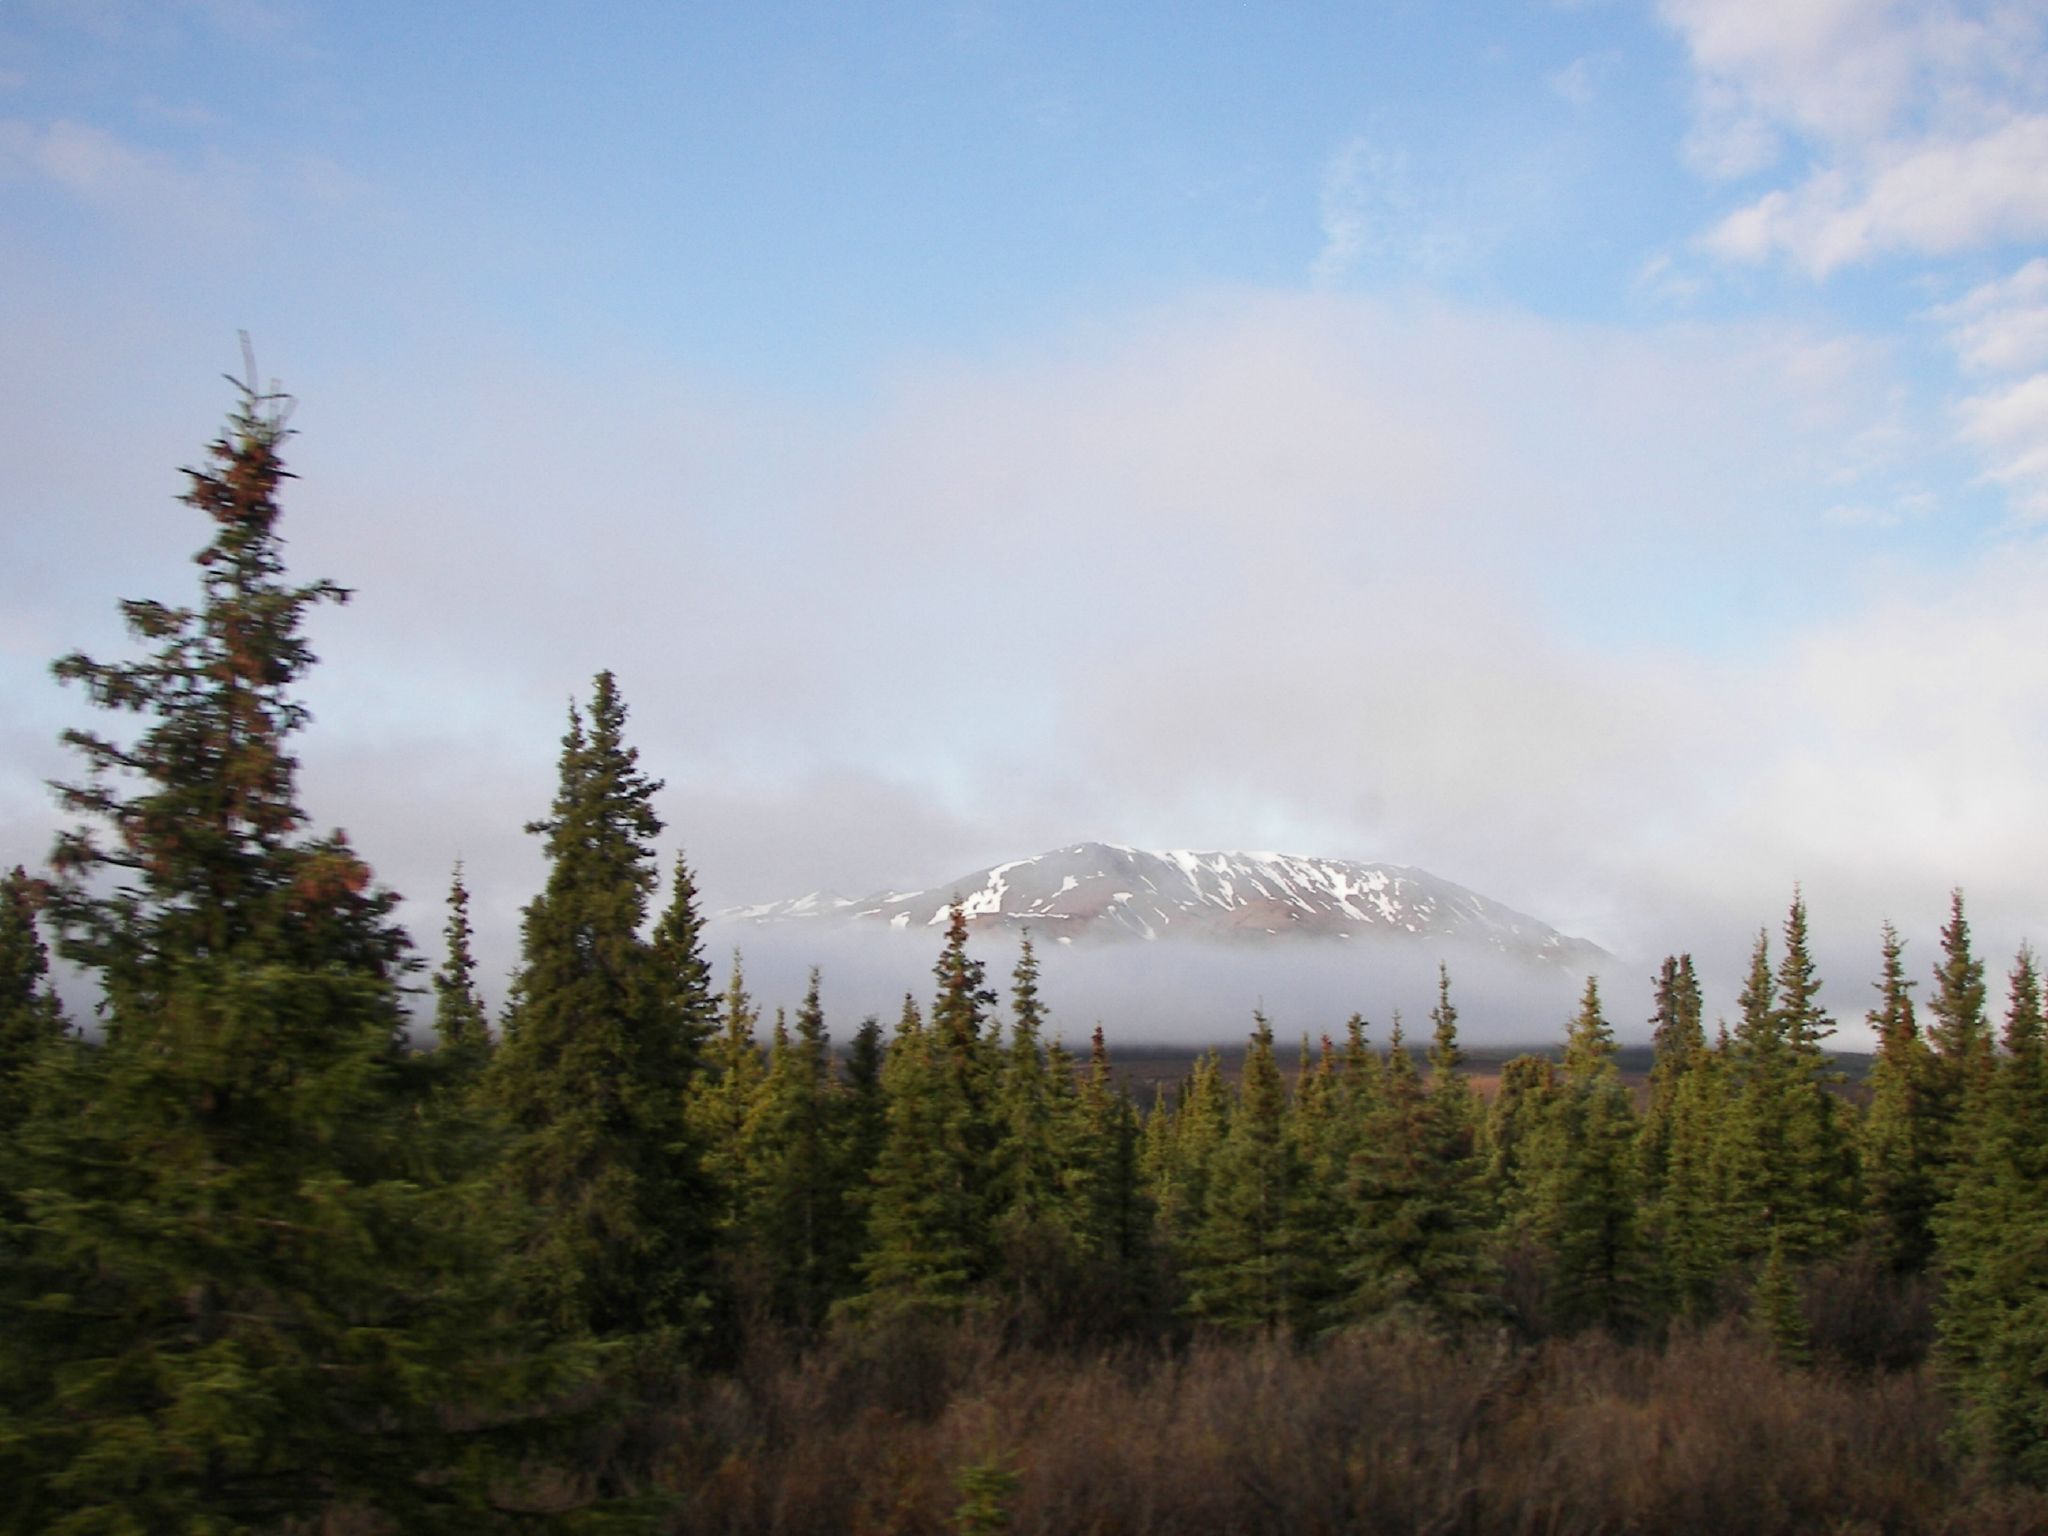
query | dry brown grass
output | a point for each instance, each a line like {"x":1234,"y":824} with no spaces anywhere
{"x":1358,"y":1434}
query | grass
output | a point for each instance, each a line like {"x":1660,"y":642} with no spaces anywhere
{"x":877,"y":1434}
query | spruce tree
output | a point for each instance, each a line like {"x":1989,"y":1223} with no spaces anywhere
{"x":797,"y":1214}
{"x":1242,"y":1269}
{"x":860,"y":1119}
{"x":459,"y":1028}
{"x":1520,"y":1106}
{"x":1959,"y":1039}
{"x":721,"y":1101}
{"x":1898,"y":1157}
{"x":931,"y":1201}
{"x":1032,"y":1214}
{"x":1581,"y":1171}
{"x":1693,"y":1243}
{"x":1114,"y":1216}
{"x":1821,"y":1176}
{"x":1788,"y":1153}
{"x":681,"y":975}
{"x":1417,"y":1218}
{"x":1993,"y":1232}
{"x":596,"y":1061}
{"x":1776,"y":1311}
{"x":1677,"y":1038}
{"x":258,"y":1301}
{"x":1189,"y":1141}
{"x":2025,"y":1070}
{"x":1315,"y":1121}
{"x":30,"y":1015}
{"x":919,"y":1250}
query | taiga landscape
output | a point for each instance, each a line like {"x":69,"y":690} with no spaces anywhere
{"x":968,"y":769}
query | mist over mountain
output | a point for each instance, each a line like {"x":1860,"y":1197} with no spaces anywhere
{"x":1183,"y":945}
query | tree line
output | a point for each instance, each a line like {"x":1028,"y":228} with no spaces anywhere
{"x":263,"y":1259}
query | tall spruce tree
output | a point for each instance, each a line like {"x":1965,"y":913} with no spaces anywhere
{"x":596,"y":1062}
{"x":1419,"y":1219}
{"x":1582,"y":1174}
{"x":919,"y":1253}
{"x":258,"y":1301}
{"x":1959,"y":1039}
{"x":1243,"y":1270}
{"x":860,"y":1120}
{"x":1677,"y":1037}
{"x":798,"y":1209}
{"x":931,"y":1200}
{"x":1993,"y":1231}
{"x":1316,"y":1122}
{"x":1898,"y":1158}
{"x":1193,"y":1134}
{"x":1114,"y":1215}
{"x":1820,"y":1179}
{"x":1693,"y":1245}
{"x":30,"y":1015}
{"x":1787,"y":1152}
{"x":459,"y":1027}
{"x":721,"y":1101}
{"x":1032,"y":1214}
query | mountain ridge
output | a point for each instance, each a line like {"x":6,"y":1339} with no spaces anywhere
{"x":1097,"y":892}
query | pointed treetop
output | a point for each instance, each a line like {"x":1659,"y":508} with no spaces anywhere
{"x":1959,"y":1033}
{"x":458,"y":1011}
{"x":1444,"y":1055}
{"x":1589,"y":1044}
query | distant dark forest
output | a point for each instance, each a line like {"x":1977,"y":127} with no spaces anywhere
{"x":635,"y":1256}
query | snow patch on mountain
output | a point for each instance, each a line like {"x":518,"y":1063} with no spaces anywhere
{"x":1102,"y":892}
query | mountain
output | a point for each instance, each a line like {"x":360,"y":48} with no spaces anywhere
{"x":1103,"y":892}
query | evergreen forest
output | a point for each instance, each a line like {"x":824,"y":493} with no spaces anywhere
{"x":642,"y":1252}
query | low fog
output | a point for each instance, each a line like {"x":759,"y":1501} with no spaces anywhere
{"x":1181,"y":992}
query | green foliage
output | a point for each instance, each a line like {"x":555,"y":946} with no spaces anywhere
{"x":1419,"y":1217}
{"x":1689,"y":1224}
{"x":1033,"y":1211}
{"x":1580,"y":1170}
{"x":798,"y":1216}
{"x":1115,"y":1214}
{"x":1243,"y":1261}
{"x":932,"y":1195}
{"x":248,"y":1288}
{"x":597,"y":1058}
{"x":1183,"y":1150}
{"x":459,"y":1028}
{"x":721,"y":1101}
{"x":1959,"y":1040}
{"x":1775,"y":1307}
{"x":1898,"y":1149}
{"x":30,"y":1015}
{"x":1993,"y":1232}
{"x":986,"y":1488}
{"x":1789,"y":1153}
{"x":1677,"y":1038}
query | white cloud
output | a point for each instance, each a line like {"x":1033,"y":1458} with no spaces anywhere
{"x":1373,"y":210}
{"x":1435,"y":584}
{"x":1922,"y":124}
{"x":2001,"y":329}
{"x":1361,"y":185}
{"x":2010,"y":425}
{"x":2003,"y":325}
{"x":207,"y":197}
{"x":1579,"y":81}
{"x":1932,"y":198}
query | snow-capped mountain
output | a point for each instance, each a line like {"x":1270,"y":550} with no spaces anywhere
{"x":1090,"y":892}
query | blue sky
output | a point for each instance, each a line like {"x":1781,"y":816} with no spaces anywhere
{"x":1596,"y":451}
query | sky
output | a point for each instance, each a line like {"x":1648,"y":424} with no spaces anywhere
{"x":1596,"y":452}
